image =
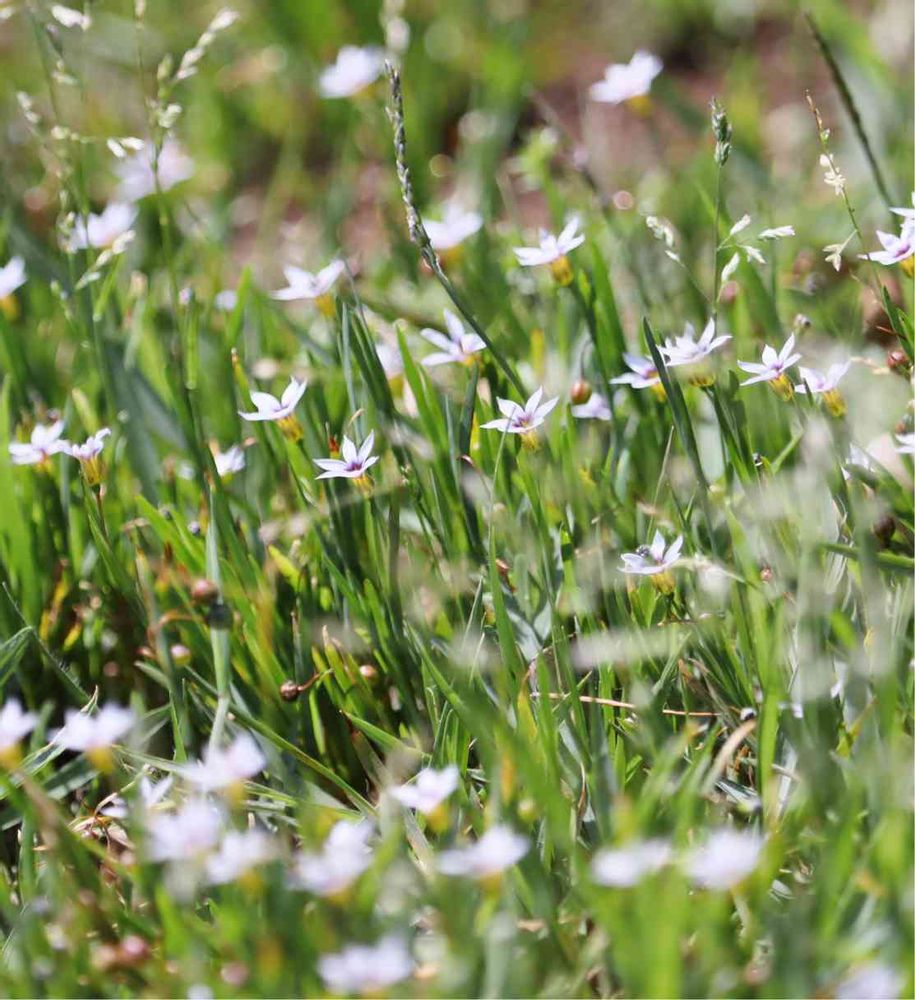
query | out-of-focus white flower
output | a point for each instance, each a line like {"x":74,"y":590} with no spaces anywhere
{"x":311,"y":287}
{"x":87,"y":454}
{"x":229,"y":462}
{"x":367,"y":969}
{"x":553,"y":250}
{"x":354,"y":463}
{"x":622,"y":867}
{"x":15,"y":723}
{"x":12,"y":276}
{"x":226,"y":300}
{"x":906,"y":213}
{"x":725,"y":859}
{"x":461,"y":345}
{"x":428,"y":790}
{"x":391,"y":361}
{"x":189,"y":834}
{"x":626,"y":81}
{"x":456,"y":225}
{"x":343,"y":857}
{"x":895,"y":248}
{"x":279,"y":410}
{"x":149,"y":795}
{"x":778,"y":233}
{"x":354,"y":70}
{"x":871,"y":981}
{"x":906,"y":444}
{"x":226,"y":768}
{"x":772,"y":369}
{"x":94,"y":735}
{"x":103,"y":230}
{"x":824,"y":384}
{"x":655,"y":560}
{"x":597,"y":408}
{"x":691,"y":353}
{"x":45,"y":441}
{"x":642,"y":375}
{"x":499,"y":848}
{"x":138,"y":173}
{"x":832,"y":175}
{"x":70,"y":18}
{"x":518,"y":419}
{"x":238,"y":853}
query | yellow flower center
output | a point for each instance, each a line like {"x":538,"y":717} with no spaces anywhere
{"x":561,"y":269}
{"x":908,"y":265}
{"x":641,"y":104}
{"x":782,"y":387}
{"x":10,"y":307}
{"x":660,"y":393}
{"x":326,"y":305}
{"x":835,"y":402}
{"x":290,"y":427}
{"x":664,"y":581}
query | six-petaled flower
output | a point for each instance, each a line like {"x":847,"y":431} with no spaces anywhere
{"x":303,"y":285}
{"x":95,"y":735}
{"x":485,"y":860}
{"x":44,"y":441}
{"x":456,"y":226}
{"x":354,"y":70}
{"x":825,"y":384}
{"x":88,"y":454}
{"x":773,"y":367}
{"x":280,"y":411}
{"x":643,"y":374}
{"x":691,"y":354}
{"x":553,"y":251}
{"x":354,"y":462}
{"x":628,"y":81}
{"x":461,"y":345}
{"x":103,"y":230}
{"x":656,"y":561}
{"x":523,"y":420}
{"x":896,"y":249}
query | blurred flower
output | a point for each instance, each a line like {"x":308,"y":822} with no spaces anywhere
{"x":499,"y":848}
{"x":88,"y":453}
{"x":138,"y":173}
{"x":597,"y":408}
{"x":44,"y":442}
{"x":778,"y":233}
{"x":687,"y":351}
{"x":354,"y":464}
{"x":226,"y":300}
{"x":226,"y":769}
{"x":906,"y":445}
{"x":834,"y":252}
{"x":70,"y":18}
{"x":627,"y":81}
{"x":311,"y":287}
{"x":354,"y":70}
{"x":238,"y":853}
{"x":460,"y":345}
{"x":906,"y":213}
{"x":896,"y":249}
{"x":343,"y":857}
{"x":14,"y":724}
{"x":824,"y":384}
{"x":279,"y":410}
{"x":456,"y":226}
{"x":655,"y":560}
{"x":772,"y":369}
{"x":870,"y":981}
{"x":229,"y":462}
{"x":643,"y":375}
{"x":428,"y":790}
{"x":622,"y":867}
{"x":725,"y":859}
{"x":367,"y":969}
{"x":149,"y":795}
{"x":186,"y":835}
{"x":391,"y":362}
{"x":832,"y":175}
{"x":524,"y":420}
{"x":12,"y":276}
{"x":94,"y":735}
{"x":553,"y":251}
{"x":99,"y":231}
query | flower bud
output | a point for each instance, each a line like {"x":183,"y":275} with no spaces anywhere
{"x":581,"y":392}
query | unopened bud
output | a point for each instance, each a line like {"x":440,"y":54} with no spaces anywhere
{"x":204,"y":592}
{"x":581,"y":392}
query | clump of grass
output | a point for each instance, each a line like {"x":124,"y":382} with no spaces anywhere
{"x":571,"y":658}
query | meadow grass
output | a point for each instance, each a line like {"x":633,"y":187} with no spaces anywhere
{"x":513,"y":523}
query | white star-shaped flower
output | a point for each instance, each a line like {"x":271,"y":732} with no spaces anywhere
{"x":428,"y":790}
{"x":238,"y":853}
{"x":895,"y":248}
{"x":138,"y":173}
{"x":91,"y":448}
{"x":189,"y":834}
{"x":15,"y":723}
{"x":367,"y":969}
{"x":642,"y":374}
{"x":94,"y":735}
{"x":725,"y":859}
{"x":456,"y":225}
{"x":773,"y":364}
{"x":459,"y":346}
{"x":305,"y":285}
{"x":626,"y":866}
{"x":229,"y":462}
{"x":354,"y":463}
{"x":101,"y":231}
{"x":624,"y":81}
{"x":343,"y":857}
{"x":354,"y":70}
{"x":44,"y":441}
{"x":654,"y":559}
{"x":822,"y":382}
{"x":597,"y":408}
{"x":271,"y":408}
{"x":226,"y":768}
{"x":518,"y":419}
{"x":499,"y":848}
{"x":552,"y":248}
{"x":12,"y":276}
{"x":686,"y":350}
